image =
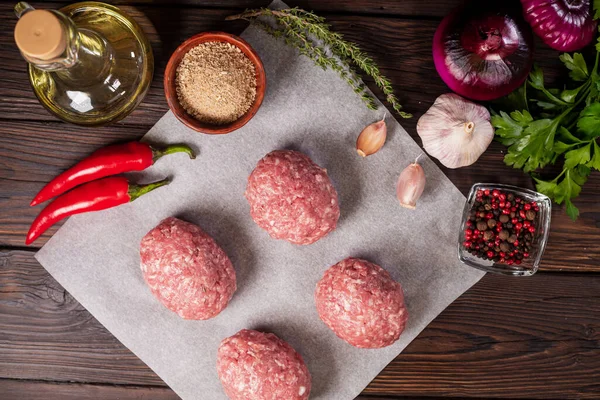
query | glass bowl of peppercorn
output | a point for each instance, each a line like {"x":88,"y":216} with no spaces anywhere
{"x":504,"y":229}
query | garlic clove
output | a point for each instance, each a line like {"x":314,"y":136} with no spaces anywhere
{"x":372,"y":138}
{"x":455,"y":130}
{"x":410,"y":185}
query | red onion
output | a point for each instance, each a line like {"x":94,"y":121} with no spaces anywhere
{"x":565,"y":25}
{"x":483,"y":52}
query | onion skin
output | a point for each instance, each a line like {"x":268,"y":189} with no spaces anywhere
{"x":565,"y":25}
{"x":483,"y":52}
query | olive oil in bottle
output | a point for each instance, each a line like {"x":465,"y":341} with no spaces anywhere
{"x":89,"y":63}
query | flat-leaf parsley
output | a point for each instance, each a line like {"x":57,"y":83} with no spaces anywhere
{"x":552,"y":124}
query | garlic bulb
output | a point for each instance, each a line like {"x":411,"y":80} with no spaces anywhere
{"x":410,"y":185}
{"x":372,"y":138}
{"x":455,"y":130}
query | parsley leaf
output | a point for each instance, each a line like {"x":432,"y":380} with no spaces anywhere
{"x":510,"y":127}
{"x":589,"y":121}
{"x":572,"y":211}
{"x":531,"y":151}
{"x":577,"y":156}
{"x":546,"y":187}
{"x":536,"y":78}
{"x":569,"y":95}
{"x":595,"y":161}
{"x":518,"y":98}
{"x":561,"y":147}
{"x":597,"y":9}
{"x":577,"y":66}
{"x":557,"y":124}
{"x":568,"y":140}
{"x":568,"y":188}
{"x":567,"y":136}
{"x":594,"y":93}
{"x":582,"y":174}
{"x":546,"y":105}
{"x":522,"y":117}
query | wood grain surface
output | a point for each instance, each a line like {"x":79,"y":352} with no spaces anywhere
{"x":32,"y":390}
{"x":36,"y":148}
{"x":535,"y":337}
{"x":490,"y":342}
{"x":35,"y":390}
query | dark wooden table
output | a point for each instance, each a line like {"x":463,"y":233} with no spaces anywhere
{"x":535,"y":337}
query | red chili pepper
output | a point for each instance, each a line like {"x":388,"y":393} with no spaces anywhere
{"x":93,"y":196}
{"x":110,"y":160}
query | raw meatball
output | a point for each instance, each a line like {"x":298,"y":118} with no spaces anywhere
{"x":186,"y":269}
{"x":292,"y":198}
{"x":361,"y":303}
{"x":259,"y":366}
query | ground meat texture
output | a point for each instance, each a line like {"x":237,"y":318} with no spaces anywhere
{"x":361,"y":303}
{"x":254,"y":365}
{"x":186,"y":269}
{"x":292,"y":198}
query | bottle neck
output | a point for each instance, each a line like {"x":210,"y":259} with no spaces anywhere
{"x":87,"y":55}
{"x":91,"y":59}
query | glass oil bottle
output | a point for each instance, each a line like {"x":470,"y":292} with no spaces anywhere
{"x":89,"y":63}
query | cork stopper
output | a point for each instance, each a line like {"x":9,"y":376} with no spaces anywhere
{"x":39,"y":34}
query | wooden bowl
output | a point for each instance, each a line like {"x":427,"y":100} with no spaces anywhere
{"x":171,"y":92}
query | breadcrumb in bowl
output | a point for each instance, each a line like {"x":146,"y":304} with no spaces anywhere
{"x":217,"y":122}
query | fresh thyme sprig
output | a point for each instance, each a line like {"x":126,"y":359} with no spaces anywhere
{"x":309,"y":33}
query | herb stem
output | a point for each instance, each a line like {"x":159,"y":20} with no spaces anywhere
{"x":595,"y":69}
{"x":554,"y":98}
{"x":312,"y":36}
{"x":525,"y":97}
{"x":574,"y":116}
{"x":559,"y":175}
{"x":586,"y":92}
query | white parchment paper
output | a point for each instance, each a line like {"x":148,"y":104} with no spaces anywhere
{"x":96,"y":256}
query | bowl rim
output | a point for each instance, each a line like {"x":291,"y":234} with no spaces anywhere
{"x":171,"y":70}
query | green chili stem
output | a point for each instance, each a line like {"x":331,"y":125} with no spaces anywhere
{"x":171,"y":149}
{"x":136,"y":191}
